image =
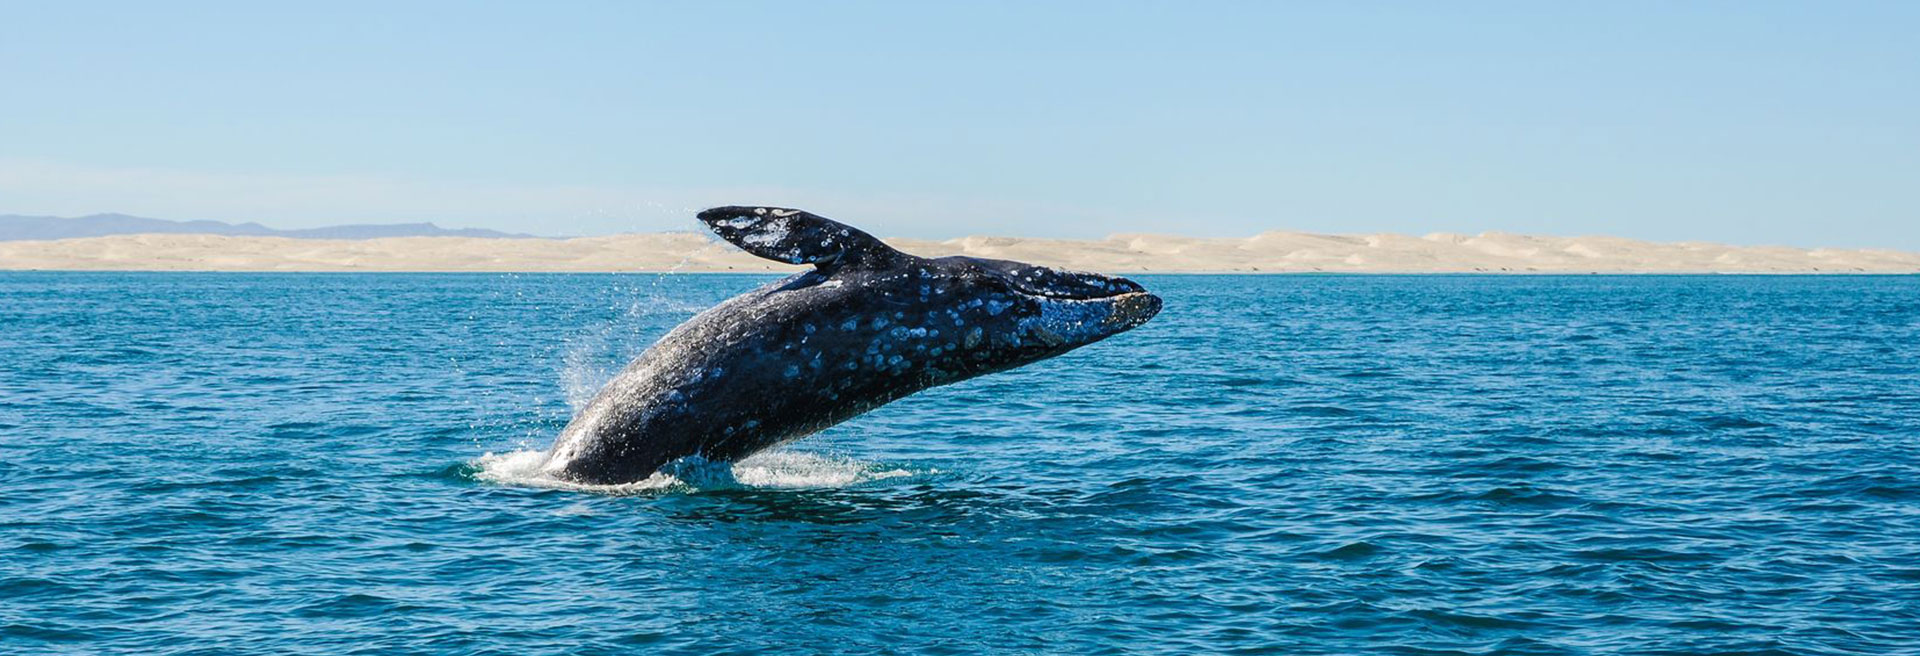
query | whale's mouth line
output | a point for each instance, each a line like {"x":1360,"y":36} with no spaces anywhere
{"x":1106,"y":289}
{"x":1069,"y":296}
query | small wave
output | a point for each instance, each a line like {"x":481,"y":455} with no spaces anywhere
{"x":773,"y":470}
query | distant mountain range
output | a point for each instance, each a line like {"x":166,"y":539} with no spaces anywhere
{"x":15,"y":227}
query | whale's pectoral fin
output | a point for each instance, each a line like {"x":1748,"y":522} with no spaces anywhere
{"x":793,"y":236}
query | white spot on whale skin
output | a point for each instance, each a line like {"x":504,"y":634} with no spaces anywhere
{"x":768,"y":234}
{"x":784,"y":213}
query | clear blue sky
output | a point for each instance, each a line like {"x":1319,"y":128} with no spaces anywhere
{"x":1743,"y":122}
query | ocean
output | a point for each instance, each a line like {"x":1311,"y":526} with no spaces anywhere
{"x":337,"y":463}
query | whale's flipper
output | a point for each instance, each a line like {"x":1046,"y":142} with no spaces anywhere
{"x":794,"y":236}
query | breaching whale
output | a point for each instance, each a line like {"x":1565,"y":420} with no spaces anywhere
{"x":867,"y":325}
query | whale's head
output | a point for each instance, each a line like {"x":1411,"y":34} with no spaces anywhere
{"x":1025,"y":312}
{"x":949,"y":317}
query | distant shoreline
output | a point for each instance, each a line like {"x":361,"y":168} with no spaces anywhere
{"x":1264,"y":254}
{"x":786,"y":272}
{"x":1118,"y":273}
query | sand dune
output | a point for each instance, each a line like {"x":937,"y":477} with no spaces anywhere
{"x":1277,"y":252}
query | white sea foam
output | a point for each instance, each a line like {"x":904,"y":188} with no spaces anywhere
{"x":797,"y":469}
{"x":523,"y":468}
{"x":771,"y":470}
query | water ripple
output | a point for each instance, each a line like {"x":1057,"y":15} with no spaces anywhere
{"x":232,"y":463}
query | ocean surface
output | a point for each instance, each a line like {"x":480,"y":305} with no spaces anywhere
{"x":316,"y":463}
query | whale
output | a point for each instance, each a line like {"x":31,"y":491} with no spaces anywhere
{"x":866,"y":325}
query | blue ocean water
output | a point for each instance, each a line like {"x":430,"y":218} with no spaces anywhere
{"x":275,"y":463}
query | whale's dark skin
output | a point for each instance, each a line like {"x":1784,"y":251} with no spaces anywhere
{"x":869,"y":324}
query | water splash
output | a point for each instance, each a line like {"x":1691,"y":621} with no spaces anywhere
{"x":598,"y":354}
{"x":523,"y":468}
{"x":770,"y":470}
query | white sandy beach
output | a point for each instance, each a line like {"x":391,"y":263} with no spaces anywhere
{"x":1269,"y":252}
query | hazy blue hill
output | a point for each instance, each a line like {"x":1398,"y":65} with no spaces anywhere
{"x":374,"y":230}
{"x":14,"y":227}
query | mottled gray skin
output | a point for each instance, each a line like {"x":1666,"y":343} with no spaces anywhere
{"x":868,"y":325}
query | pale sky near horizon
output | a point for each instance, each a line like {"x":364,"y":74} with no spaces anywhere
{"x":1746,"y":123}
